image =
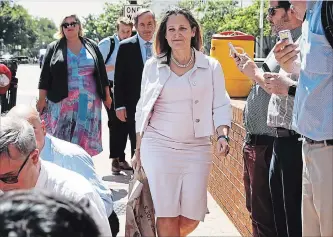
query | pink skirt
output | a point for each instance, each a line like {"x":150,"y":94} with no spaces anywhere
{"x":178,"y":173}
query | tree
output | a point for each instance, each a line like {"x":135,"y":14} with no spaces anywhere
{"x":103,"y":25}
{"x":99,"y":27}
{"x":246,"y":20}
{"x":45,"y":30}
{"x":16,"y":26}
{"x":211,"y":15}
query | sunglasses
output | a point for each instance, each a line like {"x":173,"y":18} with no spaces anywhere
{"x":272,"y":10}
{"x":14,"y":178}
{"x":66,"y":25}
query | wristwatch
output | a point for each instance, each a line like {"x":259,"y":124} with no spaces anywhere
{"x":292,"y":90}
{"x":225,"y":137}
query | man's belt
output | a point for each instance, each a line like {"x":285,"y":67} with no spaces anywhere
{"x":326,"y":142}
{"x":282,"y":132}
{"x":252,"y":139}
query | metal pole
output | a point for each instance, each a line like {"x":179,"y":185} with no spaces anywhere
{"x":261,"y":26}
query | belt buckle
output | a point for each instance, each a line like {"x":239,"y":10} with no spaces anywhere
{"x":278,"y":132}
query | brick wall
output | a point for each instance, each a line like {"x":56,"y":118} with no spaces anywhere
{"x":226,"y":178}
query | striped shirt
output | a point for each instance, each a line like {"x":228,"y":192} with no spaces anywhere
{"x":280,"y":108}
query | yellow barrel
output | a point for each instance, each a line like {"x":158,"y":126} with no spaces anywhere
{"x":237,"y":84}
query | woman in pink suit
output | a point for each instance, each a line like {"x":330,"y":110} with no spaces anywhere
{"x":183,"y":102}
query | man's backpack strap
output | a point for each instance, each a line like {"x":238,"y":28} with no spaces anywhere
{"x":327,"y":20}
{"x":112,"y":45}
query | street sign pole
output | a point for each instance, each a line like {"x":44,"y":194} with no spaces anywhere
{"x":261,"y":26}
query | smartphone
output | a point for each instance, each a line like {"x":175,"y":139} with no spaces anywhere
{"x":286,"y":35}
{"x":232,"y":48}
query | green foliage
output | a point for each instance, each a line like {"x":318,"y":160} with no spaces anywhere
{"x":45,"y":30}
{"x":246,"y":20}
{"x":224,"y":15}
{"x":99,"y":27}
{"x":103,"y":25}
{"x":16,"y":26}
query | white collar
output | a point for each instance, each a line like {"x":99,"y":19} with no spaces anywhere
{"x":42,"y":178}
{"x":142,"y":41}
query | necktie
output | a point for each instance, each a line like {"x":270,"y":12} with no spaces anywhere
{"x":148,"y":50}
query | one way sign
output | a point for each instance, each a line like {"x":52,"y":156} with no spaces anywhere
{"x":131,"y":10}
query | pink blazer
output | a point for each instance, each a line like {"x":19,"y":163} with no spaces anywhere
{"x":211,"y":102}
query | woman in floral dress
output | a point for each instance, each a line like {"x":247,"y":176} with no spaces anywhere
{"x":72,"y":85}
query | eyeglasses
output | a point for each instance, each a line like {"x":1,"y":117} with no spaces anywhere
{"x":272,"y":10}
{"x":66,"y":25}
{"x":13,"y":179}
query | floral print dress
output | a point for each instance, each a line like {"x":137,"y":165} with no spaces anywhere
{"x":77,"y":118}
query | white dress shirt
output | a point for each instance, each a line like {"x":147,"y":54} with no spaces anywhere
{"x":73,"y":157}
{"x":60,"y":181}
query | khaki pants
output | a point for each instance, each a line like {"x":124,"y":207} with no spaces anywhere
{"x":317,"y":203}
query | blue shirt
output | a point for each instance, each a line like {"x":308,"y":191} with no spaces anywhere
{"x":72,"y":157}
{"x":104,"y":47}
{"x":142,"y":43}
{"x":313,"y":108}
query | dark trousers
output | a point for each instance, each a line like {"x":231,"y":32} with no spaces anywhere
{"x":114,"y":224}
{"x":285,"y":179}
{"x":257,"y":157}
{"x":119,"y":132}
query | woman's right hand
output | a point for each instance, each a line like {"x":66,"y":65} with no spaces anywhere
{"x":136,"y":160}
{"x":41,"y":105}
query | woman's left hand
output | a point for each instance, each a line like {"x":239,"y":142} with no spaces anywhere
{"x":108,"y":102}
{"x":223,"y":146}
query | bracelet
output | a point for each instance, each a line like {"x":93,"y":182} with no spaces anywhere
{"x":137,"y":150}
{"x":224,"y":137}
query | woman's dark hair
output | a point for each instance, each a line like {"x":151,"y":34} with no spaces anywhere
{"x":37,"y":214}
{"x":162,"y":47}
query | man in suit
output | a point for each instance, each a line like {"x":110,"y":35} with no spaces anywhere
{"x":132,"y":55}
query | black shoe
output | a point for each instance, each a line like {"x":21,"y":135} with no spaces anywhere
{"x":115,"y":166}
{"x":124,"y":165}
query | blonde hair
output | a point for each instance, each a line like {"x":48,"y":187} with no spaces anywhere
{"x":60,"y":34}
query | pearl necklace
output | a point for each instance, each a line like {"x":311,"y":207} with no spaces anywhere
{"x":183,"y":65}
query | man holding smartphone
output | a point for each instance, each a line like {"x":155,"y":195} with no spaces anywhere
{"x":312,"y":115}
{"x":281,"y":17}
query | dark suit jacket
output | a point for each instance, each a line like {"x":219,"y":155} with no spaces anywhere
{"x":54,"y":74}
{"x":127,"y":77}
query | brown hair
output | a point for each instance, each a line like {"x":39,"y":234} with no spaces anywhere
{"x":60,"y":34}
{"x":140,"y":13}
{"x":162,"y":47}
{"x":125,"y":21}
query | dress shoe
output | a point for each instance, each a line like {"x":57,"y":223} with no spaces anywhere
{"x":115,"y":166}
{"x":124,"y":165}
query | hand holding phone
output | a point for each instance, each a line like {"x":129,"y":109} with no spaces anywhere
{"x":232,"y":49}
{"x":286,"y":35}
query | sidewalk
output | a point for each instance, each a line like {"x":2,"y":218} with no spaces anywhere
{"x":216,"y":222}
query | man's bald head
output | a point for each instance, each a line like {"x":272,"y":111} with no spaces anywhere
{"x":31,"y":115}
{"x":24,"y":112}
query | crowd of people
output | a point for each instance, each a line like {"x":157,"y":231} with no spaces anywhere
{"x":288,"y":119}
{"x":163,"y":93}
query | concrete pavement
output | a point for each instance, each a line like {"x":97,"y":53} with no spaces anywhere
{"x":216,"y":222}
